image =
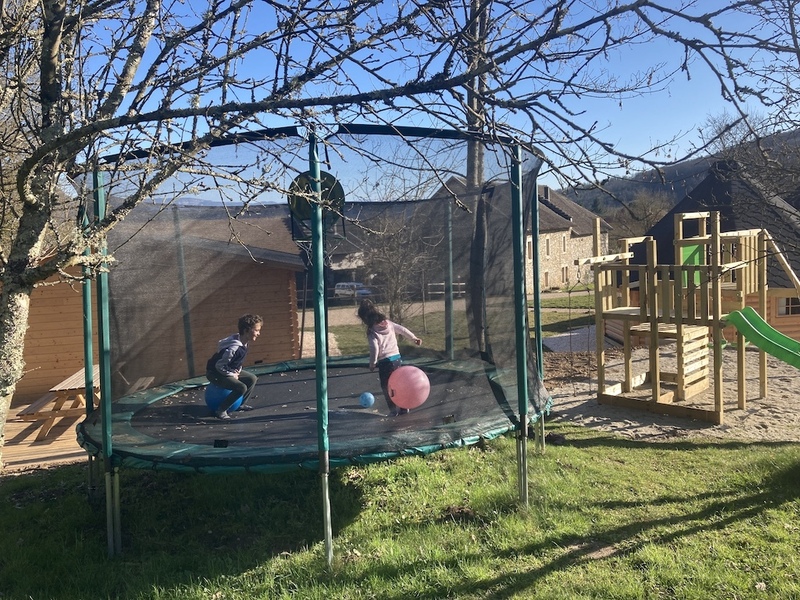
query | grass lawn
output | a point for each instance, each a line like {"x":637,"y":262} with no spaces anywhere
{"x":608,"y":518}
{"x":574,"y":301}
{"x":351,"y":339}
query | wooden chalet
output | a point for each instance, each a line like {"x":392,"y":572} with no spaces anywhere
{"x":179,"y":280}
{"x":744,"y":204}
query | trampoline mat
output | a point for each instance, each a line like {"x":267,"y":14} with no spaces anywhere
{"x":171,"y":426}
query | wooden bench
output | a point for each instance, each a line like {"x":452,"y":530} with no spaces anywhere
{"x":140,"y":384}
{"x":65,"y":400}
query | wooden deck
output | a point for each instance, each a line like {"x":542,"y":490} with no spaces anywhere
{"x":22,"y":451}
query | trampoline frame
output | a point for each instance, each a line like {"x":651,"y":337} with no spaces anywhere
{"x":112,"y":462}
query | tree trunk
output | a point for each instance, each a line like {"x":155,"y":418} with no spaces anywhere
{"x":14,"y":310}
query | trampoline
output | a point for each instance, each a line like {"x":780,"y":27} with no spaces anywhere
{"x":181,"y":277}
{"x":170,"y":427}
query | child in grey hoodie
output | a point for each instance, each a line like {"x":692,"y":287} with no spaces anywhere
{"x":383,"y":350}
{"x":224,"y":368}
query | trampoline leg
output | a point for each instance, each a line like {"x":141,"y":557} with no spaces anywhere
{"x":93,"y":476}
{"x":326,"y":509}
{"x":522,"y":461}
{"x":113,"y":526}
{"x":540,"y":434}
{"x":110,"y":514}
{"x":117,"y":514}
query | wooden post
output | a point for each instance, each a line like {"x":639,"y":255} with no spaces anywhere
{"x":627,"y":384}
{"x":742,"y":288}
{"x":599,"y":280}
{"x":652,"y":317}
{"x":763,"y":284}
{"x":716,"y":315}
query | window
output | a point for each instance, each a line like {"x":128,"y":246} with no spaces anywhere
{"x":546,"y":280}
{"x":547,"y":246}
{"x":564,"y":243}
{"x":564,"y":274}
{"x":530,"y":249}
{"x":789,"y":306}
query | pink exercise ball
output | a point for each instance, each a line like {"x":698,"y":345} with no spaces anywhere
{"x":409,"y":387}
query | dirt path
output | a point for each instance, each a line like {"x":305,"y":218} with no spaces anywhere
{"x":570,"y":379}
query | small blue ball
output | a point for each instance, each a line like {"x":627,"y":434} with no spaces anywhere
{"x":366,"y":399}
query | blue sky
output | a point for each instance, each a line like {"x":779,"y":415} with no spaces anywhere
{"x":637,"y":124}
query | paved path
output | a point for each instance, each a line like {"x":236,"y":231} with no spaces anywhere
{"x":577,"y":340}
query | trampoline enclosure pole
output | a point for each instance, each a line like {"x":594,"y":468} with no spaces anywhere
{"x":88,"y":354}
{"x":537,"y":308}
{"x":448,"y":292}
{"x":104,"y":339}
{"x":521,"y":321}
{"x":320,"y":339}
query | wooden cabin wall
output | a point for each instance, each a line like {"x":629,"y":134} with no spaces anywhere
{"x":241,"y":287}
{"x":787,"y":324}
{"x":272,"y":295}
{"x":54,"y":340}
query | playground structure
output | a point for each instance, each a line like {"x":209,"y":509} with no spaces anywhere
{"x":715,"y":280}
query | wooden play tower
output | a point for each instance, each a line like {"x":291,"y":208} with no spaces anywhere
{"x":679,"y":308}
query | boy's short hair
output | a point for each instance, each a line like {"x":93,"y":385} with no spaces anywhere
{"x":248,"y":322}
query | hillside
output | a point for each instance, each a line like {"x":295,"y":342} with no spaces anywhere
{"x":678,"y":180}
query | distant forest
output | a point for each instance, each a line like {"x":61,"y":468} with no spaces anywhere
{"x":678,"y":180}
{"x":649,"y":196}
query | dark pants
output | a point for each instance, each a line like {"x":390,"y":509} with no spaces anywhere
{"x":385,"y":369}
{"x":243,"y":386}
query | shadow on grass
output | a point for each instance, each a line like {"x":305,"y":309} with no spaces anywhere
{"x":717,"y":511}
{"x":585,"y":438}
{"x":176,"y":529}
{"x":180,"y":529}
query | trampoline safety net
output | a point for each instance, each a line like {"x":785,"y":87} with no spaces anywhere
{"x":423,"y":221}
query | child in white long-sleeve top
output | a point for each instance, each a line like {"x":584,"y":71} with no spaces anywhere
{"x":383,"y":350}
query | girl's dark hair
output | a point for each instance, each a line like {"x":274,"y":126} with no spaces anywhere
{"x":369,"y":313}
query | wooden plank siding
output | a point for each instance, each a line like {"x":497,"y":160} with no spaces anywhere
{"x":271,"y":296}
{"x":54,"y":341}
{"x":788,"y":325}
{"x":159,"y":348}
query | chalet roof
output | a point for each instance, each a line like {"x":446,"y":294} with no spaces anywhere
{"x":743,"y":204}
{"x":559,"y":213}
{"x":261,"y":234}
{"x":556,"y":213}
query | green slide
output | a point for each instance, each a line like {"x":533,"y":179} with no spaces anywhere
{"x":758,"y":332}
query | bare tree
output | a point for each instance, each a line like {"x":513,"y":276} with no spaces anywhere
{"x":86,"y":78}
{"x":766,"y":148}
{"x":397,"y":253}
{"x":645,"y":210}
